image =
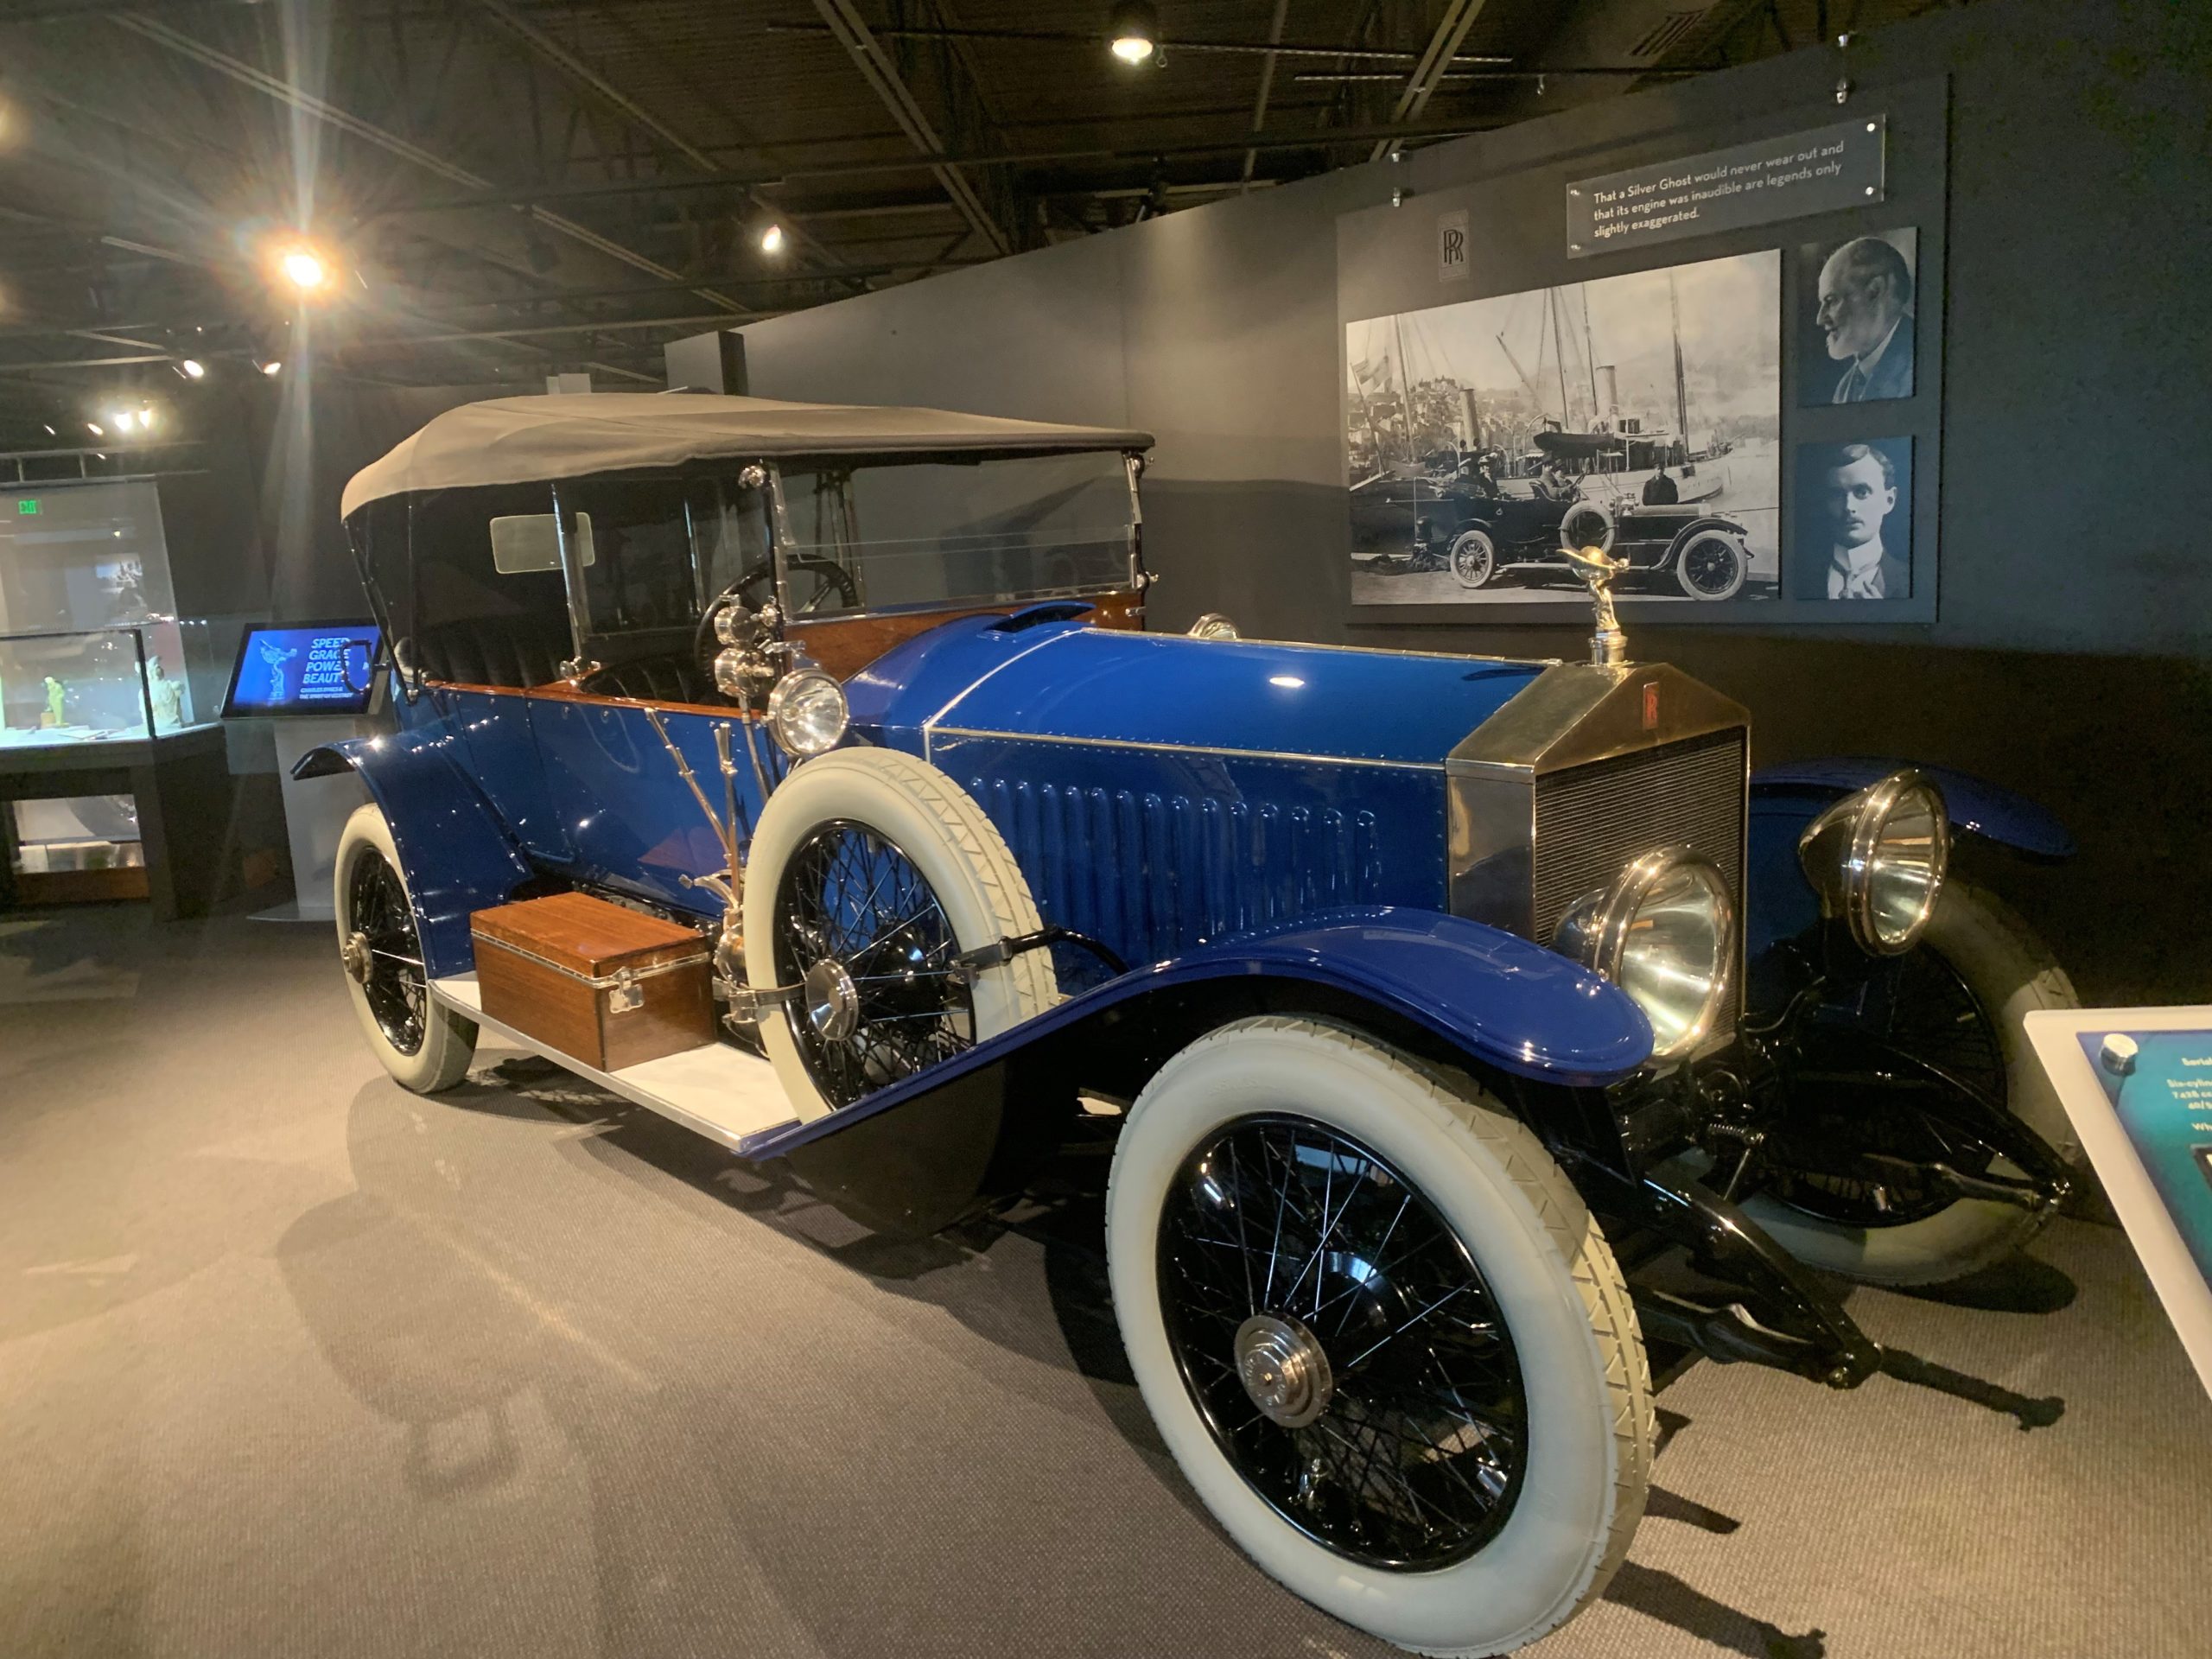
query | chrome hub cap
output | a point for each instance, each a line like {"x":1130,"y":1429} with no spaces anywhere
{"x":356,"y":957}
{"x":833,"y":1005}
{"x":1282,"y":1368}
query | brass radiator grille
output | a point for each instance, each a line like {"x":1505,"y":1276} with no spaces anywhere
{"x":1591,"y":820}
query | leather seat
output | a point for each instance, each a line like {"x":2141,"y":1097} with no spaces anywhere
{"x":511,"y":651}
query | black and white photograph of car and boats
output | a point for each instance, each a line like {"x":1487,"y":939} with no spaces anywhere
{"x":1477,"y":435}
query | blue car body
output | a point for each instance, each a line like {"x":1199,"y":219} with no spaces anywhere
{"x":1203,"y":809}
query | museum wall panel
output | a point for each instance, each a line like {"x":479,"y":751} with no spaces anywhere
{"x":2073,"y":616}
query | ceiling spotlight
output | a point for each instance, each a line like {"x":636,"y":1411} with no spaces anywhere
{"x":96,"y":428}
{"x":1134,"y":32}
{"x":50,"y":432}
{"x":146,"y":418}
{"x":772,"y":238}
{"x":192,"y":369}
{"x":304,"y":269}
{"x":274,"y":366}
{"x":120,"y":419}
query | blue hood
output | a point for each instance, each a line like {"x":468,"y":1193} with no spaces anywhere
{"x":1054,"y":676}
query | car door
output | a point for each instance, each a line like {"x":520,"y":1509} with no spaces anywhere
{"x":660,"y":550}
{"x":488,"y":616}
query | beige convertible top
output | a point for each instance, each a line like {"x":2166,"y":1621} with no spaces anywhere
{"x":524,"y":440}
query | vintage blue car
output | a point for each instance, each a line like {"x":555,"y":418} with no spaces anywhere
{"x":1470,"y":1024}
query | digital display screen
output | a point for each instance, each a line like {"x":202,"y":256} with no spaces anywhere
{"x":324,"y":668}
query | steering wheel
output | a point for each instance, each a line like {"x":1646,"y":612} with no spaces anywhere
{"x":753,"y":590}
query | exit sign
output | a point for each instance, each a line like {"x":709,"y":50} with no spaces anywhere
{"x":26,"y":505}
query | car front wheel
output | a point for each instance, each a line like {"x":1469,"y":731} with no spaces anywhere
{"x":1711,"y":565}
{"x":1386,"y":1343}
{"x":869,"y":873}
{"x":421,"y":1042}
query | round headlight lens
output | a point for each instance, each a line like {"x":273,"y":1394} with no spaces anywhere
{"x":1905,"y":865}
{"x":1665,"y":933}
{"x":1878,"y":860}
{"x":807,"y":714}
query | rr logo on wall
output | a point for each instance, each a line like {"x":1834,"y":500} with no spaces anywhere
{"x":1451,"y":245}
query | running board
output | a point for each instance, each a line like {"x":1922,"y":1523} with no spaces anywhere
{"x":716,"y":1090}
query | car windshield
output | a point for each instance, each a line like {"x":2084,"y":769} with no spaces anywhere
{"x":932,"y":533}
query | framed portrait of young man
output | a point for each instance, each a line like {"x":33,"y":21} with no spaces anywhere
{"x":1853,"y":534}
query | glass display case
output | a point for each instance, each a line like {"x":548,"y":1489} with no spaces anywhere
{"x":78,"y":848}
{"x":91,"y":648}
{"x":96,"y":685}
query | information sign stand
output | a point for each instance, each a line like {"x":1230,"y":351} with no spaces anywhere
{"x":2138,"y":1085}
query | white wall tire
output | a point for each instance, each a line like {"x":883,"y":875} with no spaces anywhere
{"x":1473,"y":559}
{"x":1711,"y":565}
{"x":439,"y":1058}
{"x":2010,"y":971}
{"x":1546,"y":1268}
{"x":947,"y":838}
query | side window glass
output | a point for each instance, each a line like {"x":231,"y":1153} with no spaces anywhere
{"x":523,"y":541}
{"x":641,"y":576}
{"x":486,"y":606}
{"x":732,"y":524}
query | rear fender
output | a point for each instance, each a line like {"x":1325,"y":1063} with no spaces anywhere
{"x":455,"y":855}
{"x":1978,"y":807}
{"x":1780,"y":904}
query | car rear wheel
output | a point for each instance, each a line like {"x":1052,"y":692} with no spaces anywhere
{"x":869,"y":872}
{"x":1386,"y":1343}
{"x":1474,"y":558}
{"x":1957,"y":1000}
{"x":420,"y":1041}
{"x":1712,"y":564}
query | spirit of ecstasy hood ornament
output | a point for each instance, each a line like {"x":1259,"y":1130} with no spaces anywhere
{"x":1598,"y":571}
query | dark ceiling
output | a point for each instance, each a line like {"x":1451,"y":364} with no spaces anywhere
{"x":510,"y":188}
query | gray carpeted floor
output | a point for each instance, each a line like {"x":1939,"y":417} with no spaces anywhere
{"x":292,"y":1363}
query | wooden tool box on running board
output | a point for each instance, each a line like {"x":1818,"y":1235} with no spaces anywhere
{"x":604,"y":985}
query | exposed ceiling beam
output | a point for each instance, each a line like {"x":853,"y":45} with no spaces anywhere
{"x":345,"y":121}
{"x":876,"y":69}
{"x":1428,"y":73}
{"x":1267,"y":86}
{"x":1171,"y":43}
{"x":1301,"y":138}
{"x":507,"y":17}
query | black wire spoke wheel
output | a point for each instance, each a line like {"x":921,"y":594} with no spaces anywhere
{"x":1712,"y":564}
{"x":1341,"y":1345}
{"x":1915,"y":1005}
{"x":384,"y":953}
{"x":862,"y":932}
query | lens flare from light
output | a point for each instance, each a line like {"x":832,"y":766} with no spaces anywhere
{"x":304,"y":269}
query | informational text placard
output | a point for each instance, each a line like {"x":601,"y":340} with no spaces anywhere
{"x":1820,"y":171}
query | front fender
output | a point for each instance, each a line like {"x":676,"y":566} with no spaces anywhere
{"x":455,"y":855}
{"x":1978,"y":807}
{"x":1493,"y":995}
{"x":1698,"y":527}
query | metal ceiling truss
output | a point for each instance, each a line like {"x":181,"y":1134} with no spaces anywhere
{"x":883,"y":72}
{"x":480,"y":140}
